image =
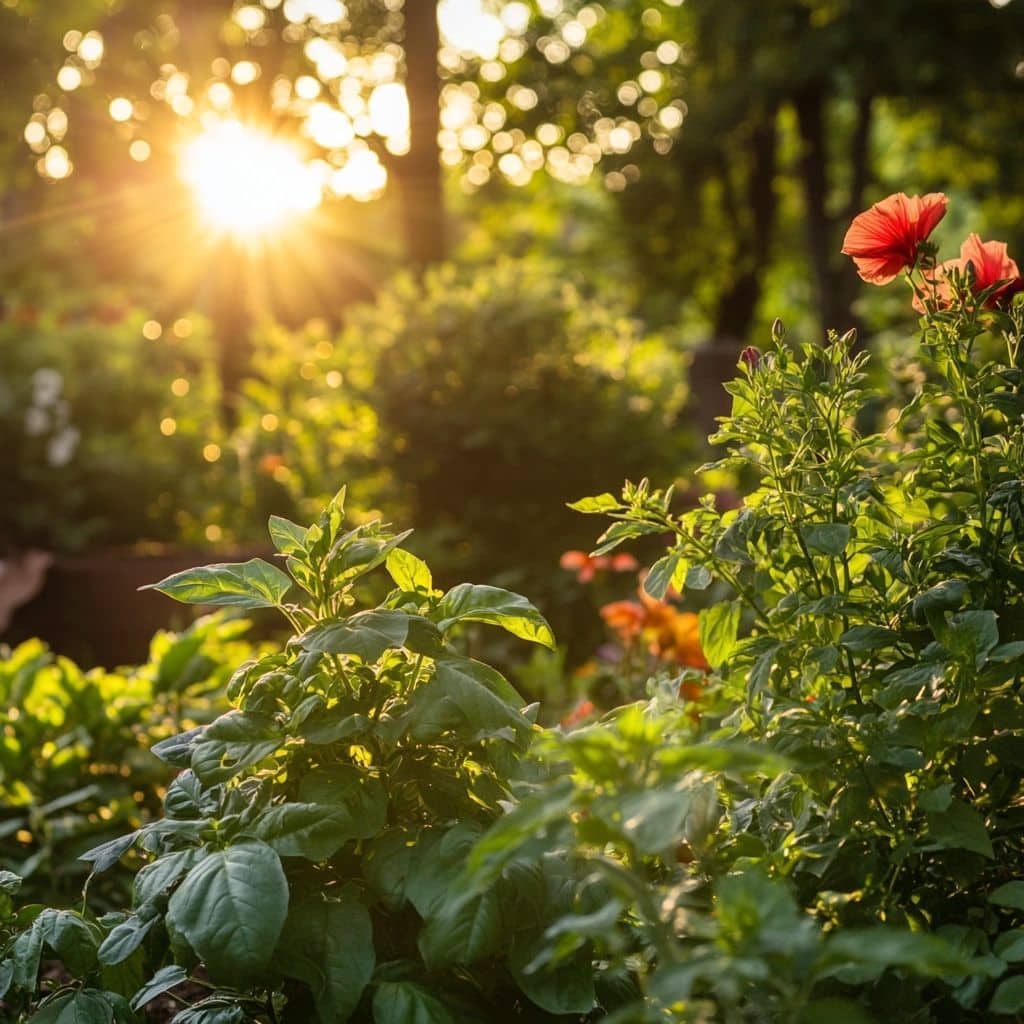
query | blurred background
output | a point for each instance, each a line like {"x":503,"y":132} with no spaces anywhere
{"x":473,"y":258}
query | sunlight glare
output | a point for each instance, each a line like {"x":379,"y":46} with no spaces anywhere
{"x":246,"y":182}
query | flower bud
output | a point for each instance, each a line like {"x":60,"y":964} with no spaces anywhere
{"x":751,"y":356}
{"x":849,"y":339}
{"x":778,"y":331}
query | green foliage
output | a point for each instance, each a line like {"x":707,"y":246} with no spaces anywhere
{"x":836,"y":836}
{"x":308,"y":860}
{"x":81,"y":406}
{"x":72,"y":770}
{"x":501,"y":393}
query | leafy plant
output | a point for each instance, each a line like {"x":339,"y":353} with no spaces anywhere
{"x":74,"y":765}
{"x":857,"y":759}
{"x":307,"y":863}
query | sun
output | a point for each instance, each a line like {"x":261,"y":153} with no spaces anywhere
{"x":245,"y":182}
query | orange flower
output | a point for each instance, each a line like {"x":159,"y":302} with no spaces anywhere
{"x":884,"y":240}
{"x":991,"y":265}
{"x":584,"y":710}
{"x":626,"y":618}
{"x":586,"y":566}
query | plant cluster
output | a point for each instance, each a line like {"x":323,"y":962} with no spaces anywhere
{"x":838,"y":835}
{"x":308,"y":860}
{"x":75,"y":769}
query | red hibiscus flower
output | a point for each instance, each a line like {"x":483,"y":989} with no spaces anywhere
{"x":884,"y":240}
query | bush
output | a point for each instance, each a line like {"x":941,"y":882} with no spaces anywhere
{"x":502,"y":393}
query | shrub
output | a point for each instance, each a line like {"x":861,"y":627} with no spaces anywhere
{"x":502,"y":393}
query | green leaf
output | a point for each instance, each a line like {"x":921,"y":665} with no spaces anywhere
{"x":971,"y":635}
{"x":483,"y":696}
{"x":409,"y":572}
{"x":660,"y":577}
{"x":868,"y":638}
{"x":386,"y":863}
{"x":231,"y":908}
{"x":698,"y":577}
{"x":826,"y":538}
{"x":156,"y":878}
{"x":357,"y":797}
{"x":217,"y":1010}
{"x":620,"y":531}
{"x":252,"y":584}
{"x":329,"y":725}
{"x":313,"y":831}
{"x":124,"y":939}
{"x":106,"y":855}
{"x":1009,"y":895}
{"x":86,"y":1006}
{"x":870,"y":951}
{"x":469,"y":603}
{"x":177,"y":750}
{"x":235,"y":741}
{"x":1010,"y":946}
{"x":598,"y":504}
{"x":288,"y":537}
{"x":329,"y":946}
{"x":1009,"y":997}
{"x":405,"y":1002}
{"x":654,"y":819}
{"x":565,"y":988}
{"x":464,"y":929}
{"x":961,"y":827}
{"x":366,"y":635}
{"x":719,"y":626}
{"x":6,"y":976}
{"x":438,"y":860}
{"x":163,"y":981}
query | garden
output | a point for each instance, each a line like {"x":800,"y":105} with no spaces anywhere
{"x":512,"y":512}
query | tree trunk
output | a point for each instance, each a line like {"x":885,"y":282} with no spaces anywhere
{"x":418,"y":174}
{"x":754,"y":225}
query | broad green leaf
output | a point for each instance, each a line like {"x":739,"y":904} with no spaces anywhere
{"x":74,"y":941}
{"x":177,"y":750}
{"x":386,"y":863}
{"x":124,"y":939}
{"x":826,"y":538}
{"x":469,"y":603}
{"x":329,"y":725}
{"x":464,"y":929}
{"x":1009,"y":997}
{"x":960,"y":826}
{"x":660,"y":577}
{"x":233,"y":742}
{"x":108,"y":854}
{"x":163,"y":981}
{"x":698,"y":577}
{"x":231,"y":908}
{"x":438,"y":861}
{"x":563,"y":989}
{"x":352,"y":792}
{"x":252,"y":584}
{"x":366,"y":635}
{"x":1009,"y":895}
{"x":599,"y":503}
{"x":156,"y":878}
{"x":9,"y":882}
{"x":971,"y":635}
{"x":405,"y":1002}
{"x":482,"y":695}
{"x":355,"y":556}
{"x":313,"y":831}
{"x":719,"y":626}
{"x":620,"y":531}
{"x":6,"y":976}
{"x":85,"y":1006}
{"x":329,"y":946}
{"x":288,"y":537}
{"x":873,"y":950}
{"x":409,"y":572}
{"x":868,"y":638}
{"x":212,"y":1011}
{"x":1010,"y":946}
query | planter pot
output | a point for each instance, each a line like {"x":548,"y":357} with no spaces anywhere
{"x":89,"y":607}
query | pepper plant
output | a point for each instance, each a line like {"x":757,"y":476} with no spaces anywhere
{"x":305,"y":867}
